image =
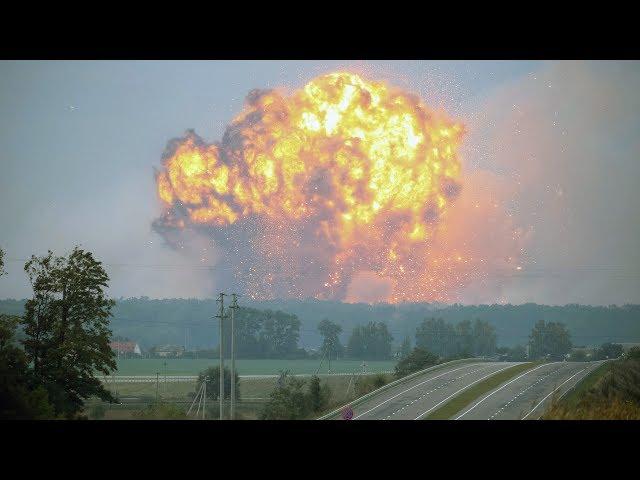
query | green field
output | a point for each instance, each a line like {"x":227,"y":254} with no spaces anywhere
{"x":151,"y":366}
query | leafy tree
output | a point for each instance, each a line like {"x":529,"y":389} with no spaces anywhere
{"x":405,"y":348}
{"x":418,"y":359}
{"x":370,"y":342}
{"x":549,"y":338}
{"x":280,"y":335}
{"x":484,"y":338}
{"x":288,"y":401}
{"x":464,"y":339}
{"x":212,"y":374}
{"x":2,"y":271}
{"x":66,"y":327}
{"x":331,"y":346}
{"x":578,"y":356}
{"x":20,"y":396}
{"x":436,"y":336}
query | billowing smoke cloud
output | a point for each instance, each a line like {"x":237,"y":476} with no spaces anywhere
{"x":559,"y":152}
{"x":541,"y":211}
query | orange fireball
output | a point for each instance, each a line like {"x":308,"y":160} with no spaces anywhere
{"x":368,"y":169}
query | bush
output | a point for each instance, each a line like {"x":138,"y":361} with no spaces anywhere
{"x":212,"y":374}
{"x":578,"y":356}
{"x":368,"y":384}
{"x":319,"y":395}
{"x":161,"y":411}
{"x":97,"y":412}
{"x":633,"y":353}
{"x":417,"y":360}
{"x":290,"y":401}
{"x":608,"y":350}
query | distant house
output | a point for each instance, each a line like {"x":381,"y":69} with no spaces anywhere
{"x":126,"y":348}
{"x":168,"y":351}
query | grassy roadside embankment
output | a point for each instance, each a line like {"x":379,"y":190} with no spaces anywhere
{"x":611,"y":392}
{"x":467,"y":396}
{"x":586,"y":384}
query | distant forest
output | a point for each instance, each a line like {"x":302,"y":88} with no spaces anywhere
{"x":191,"y":322}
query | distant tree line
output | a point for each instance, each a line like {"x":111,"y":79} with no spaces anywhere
{"x":168,"y":321}
{"x":264,"y":334}
{"x":373,"y":341}
{"x":464,"y":339}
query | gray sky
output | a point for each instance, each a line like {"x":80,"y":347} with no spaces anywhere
{"x":80,"y":140}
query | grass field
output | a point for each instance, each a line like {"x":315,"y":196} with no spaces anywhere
{"x":151,"y":366}
{"x":254,"y":392}
{"x":456,"y":404}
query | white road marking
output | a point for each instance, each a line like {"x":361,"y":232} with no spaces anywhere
{"x":462,"y":389}
{"x":523,"y":391}
{"x":496,"y":391}
{"x":446,"y":384}
{"x":411,"y":388}
{"x":541,"y":401}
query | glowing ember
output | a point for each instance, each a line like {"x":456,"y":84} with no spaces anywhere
{"x":308,"y":190}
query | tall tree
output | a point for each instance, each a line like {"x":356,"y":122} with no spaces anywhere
{"x":66,"y":324}
{"x":464,"y":344}
{"x":20,"y":396}
{"x":280,"y":334}
{"x":436,"y":336}
{"x":2,"y":272}
{"x":331,"y":346}
{"x":484,"y":338}
{"x":405,"y":348}
{"x":550,"y":338}
{"x":370,"y":342}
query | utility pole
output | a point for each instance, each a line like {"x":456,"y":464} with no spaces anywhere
{"x":204,"y":396}
{"x":233,"y":307}
{"x":221,"y":316}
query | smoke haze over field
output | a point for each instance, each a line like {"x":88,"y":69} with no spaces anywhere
{"x":549,"y":166}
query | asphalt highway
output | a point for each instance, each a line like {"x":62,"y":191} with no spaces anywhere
{"x":416,"y":398}
{"x":527,"y":395}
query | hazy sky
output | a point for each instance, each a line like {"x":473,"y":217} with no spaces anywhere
{"x":559,"y":140}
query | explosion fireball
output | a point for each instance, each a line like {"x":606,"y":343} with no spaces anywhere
{"x":344,"y":178}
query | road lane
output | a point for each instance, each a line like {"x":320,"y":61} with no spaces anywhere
{"x":529,"y":394}
{"x":409,"y":400}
